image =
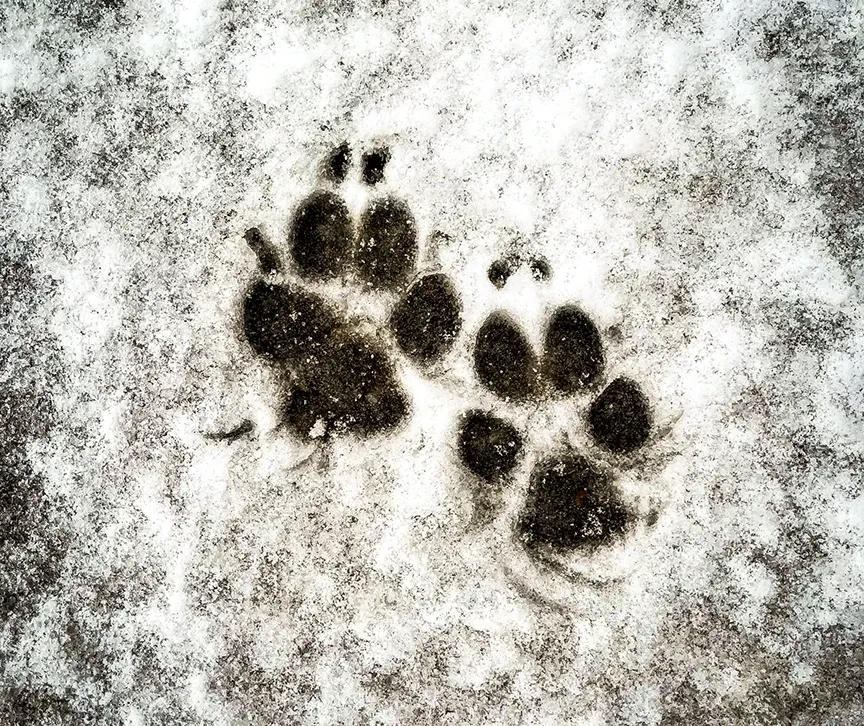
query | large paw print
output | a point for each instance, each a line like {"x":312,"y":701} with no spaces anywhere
{"x":571,"y":502}
{"x":343,"y":378}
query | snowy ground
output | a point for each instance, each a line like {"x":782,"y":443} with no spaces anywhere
{"x":693,"y":172}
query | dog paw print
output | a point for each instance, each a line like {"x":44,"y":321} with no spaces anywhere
{"x":343,"y":379}
{"x":570,"y":503}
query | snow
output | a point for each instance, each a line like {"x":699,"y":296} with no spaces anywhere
{"x":643,"y":148}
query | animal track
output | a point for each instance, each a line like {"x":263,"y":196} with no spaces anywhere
{"x":572,"y":502}
{"x":488,"y":446}
{"x":343,"y":377}
{"x":343,"y":380}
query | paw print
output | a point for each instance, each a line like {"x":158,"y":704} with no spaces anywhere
{"x":570,"y":506}
{"x":343,"y":380}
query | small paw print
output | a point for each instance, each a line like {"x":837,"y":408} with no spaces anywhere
{"x":341,"y":369}
{"x":571,"y":503}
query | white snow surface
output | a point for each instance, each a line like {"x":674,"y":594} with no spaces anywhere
{"x":640,"y":148}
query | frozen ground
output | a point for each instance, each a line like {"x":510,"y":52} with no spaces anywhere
{"x":693,"y":172}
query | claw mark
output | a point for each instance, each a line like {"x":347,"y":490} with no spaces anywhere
{"x":245,"y":427}
{"x":373,"y":165}
{"x":339,"y":163}
{"x":540,"y":268}
{"x":268,"y":258}
{"x":500,"y":270}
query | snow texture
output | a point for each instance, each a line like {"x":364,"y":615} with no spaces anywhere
{"x":693,"y":172}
